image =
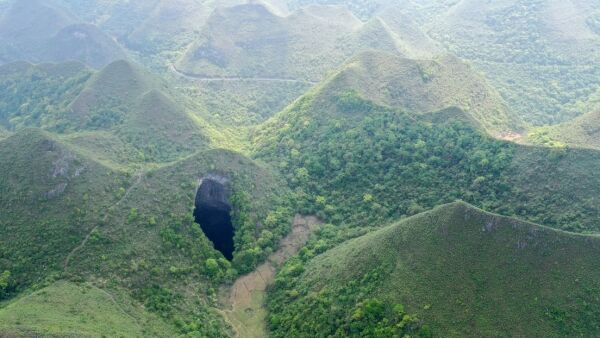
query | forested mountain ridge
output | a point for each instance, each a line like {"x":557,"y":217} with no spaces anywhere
{"x":86,"y":221}
{"x":395,"y":161}
{"x":135,"y":106}
{"x":454,"y":271}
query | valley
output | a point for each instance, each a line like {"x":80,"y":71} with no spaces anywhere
{"x":299,"y":168}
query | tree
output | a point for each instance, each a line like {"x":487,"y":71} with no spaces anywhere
{"x":212,"y":267}
{"x":4,"y":283}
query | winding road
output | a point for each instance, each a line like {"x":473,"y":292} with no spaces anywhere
{"x":201,"y":78}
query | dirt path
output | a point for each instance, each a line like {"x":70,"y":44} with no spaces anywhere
{"x":235,"y":78}
{"x":244,"y":301}
{"x":139,"y":176}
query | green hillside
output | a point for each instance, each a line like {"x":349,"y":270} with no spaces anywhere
{"x":85,"y":43}
{"x":542,"y":55}
{"x":422,"y":86}
{"x":581,"y":132}
{"x":457,"y":270}
{"x":38,"y":96}
{"x":304,"y":45}
{"x":244,"y":103}
{"x":51,"y":198}
{"x":117,"y":106}
{"x":155,"y":30}
{"x":355,"y":161}
{"x":232,"y":168}
{"x":66,"y":309}
{"x":67,"y":216}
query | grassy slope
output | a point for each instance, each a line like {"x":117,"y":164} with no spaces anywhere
{"x":83,"y":42}
{"x":281,"y":47}
{"x":68,"y":309}
{"x":244,"y":103}
{"x":422,"y":86}
{"x":67,"y":216}
{"x":120,"y":105}
{"x":581,"y":132}
{"x":52,"y":197}
{"x":155,"y":31}
{"x":39,"y":95}
{"x":333,"y":145}
{"x":468,"y":273}
{"x":540,"y":55}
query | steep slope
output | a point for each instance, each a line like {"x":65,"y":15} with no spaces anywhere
{"x":581,"y":132}
{"x":51,"y":196}
{"x":82,"y":42}
{"x":361,"y":153}
{"x":136,"y":115}
{"x":50,"y":312}
{"x":462,"y":271}
{"x":152,"y":28}
{"x":38,"y":96}
{"x":30,"y":22}
{"x":140,"y":110}
{"x":304,"y":45}
{"x":421,"y":86}
{"x":65,"y":216}
{"x":172,"y":24}
{"x":42,"y":31}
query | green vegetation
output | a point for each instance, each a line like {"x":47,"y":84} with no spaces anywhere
{"x":420,"y":87}
{"x":121,"y":105}
{"x":302,"y":46}
{"x":462,"y":271}
{"x":38,"y":96}
{"x":522,"y":46}
{"x":68,"y":309}
{"x":581,"y":132}
{"x":355,"y":162}
{"x":51,"y":197}
{"x":88,"y":222}
{"x":100,"y":162}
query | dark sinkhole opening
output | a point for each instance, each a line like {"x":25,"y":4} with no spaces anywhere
{"x":213,"y":213}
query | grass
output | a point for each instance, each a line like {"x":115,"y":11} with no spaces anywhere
{"x":271,"y":46}
{"x":422,"y":86}
{"x":83,"y":310}
{"x":61,"y":199}
{"x":359,"y":155}
{"x":119,"y":107}
{"x":581,"y":132}
{"x":463,"y":272}
{"x":51,"y":198}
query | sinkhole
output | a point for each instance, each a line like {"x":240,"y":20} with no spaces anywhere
{"x":213,"y":213}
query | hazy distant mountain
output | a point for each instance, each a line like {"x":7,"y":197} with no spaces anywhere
{"x":40,"y":31}
{"x":304,"y":45}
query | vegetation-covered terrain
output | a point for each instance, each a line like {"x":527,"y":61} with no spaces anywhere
{"x":359,"y":162}
{"x":454,"y":271}
{"x":354,"y":125}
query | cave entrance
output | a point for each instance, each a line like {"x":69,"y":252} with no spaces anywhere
{"x":213,"y":213}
